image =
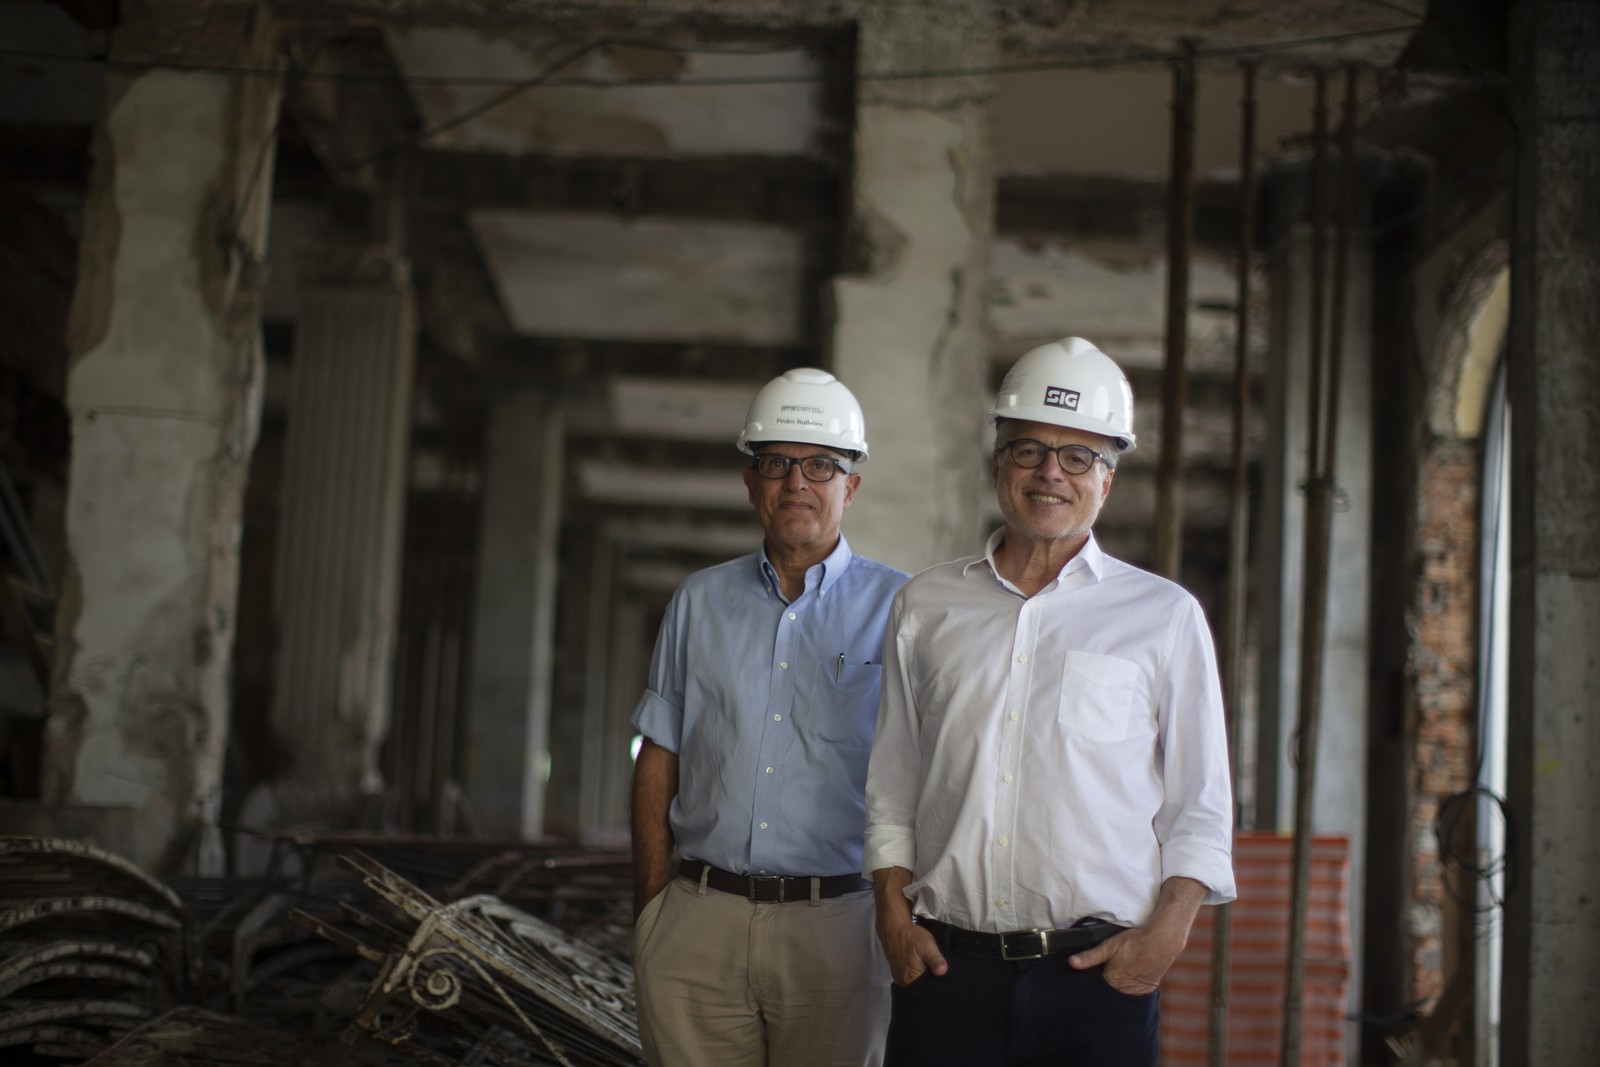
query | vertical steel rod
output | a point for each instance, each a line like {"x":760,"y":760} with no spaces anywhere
{"x":1341,"y":264}
{"x":1238,"y":543}
{"x":1319,"y":530}
{"x":1314,"y":591}
{"x":1168,"y":554}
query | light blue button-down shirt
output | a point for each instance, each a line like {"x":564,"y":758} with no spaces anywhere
{"x":770,"y":707}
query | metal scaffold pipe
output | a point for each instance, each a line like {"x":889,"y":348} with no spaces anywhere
{"x":1174,"y":380}
{"x":1238,"y":542}
{"x":1322,"y":432}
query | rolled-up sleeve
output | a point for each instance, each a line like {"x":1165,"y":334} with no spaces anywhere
{"x":895,"y":771}
{"x":659,"y":713}
{"x":1195,"y":823}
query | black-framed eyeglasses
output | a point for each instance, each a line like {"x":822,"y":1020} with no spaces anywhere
{"x":814,"y":468}
{"x":1074,"y":459}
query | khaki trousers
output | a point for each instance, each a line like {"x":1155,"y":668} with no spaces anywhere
{"x":721,"y":981}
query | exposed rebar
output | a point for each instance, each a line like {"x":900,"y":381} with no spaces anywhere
{"x":1322,"y":441}
{"x":1238,"y":545}
{"x":1168,"y":554}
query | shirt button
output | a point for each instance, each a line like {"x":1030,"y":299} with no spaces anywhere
{"x":1010,"y":778}
{"x":784,"y":666}
{"x":1022,"y":658}
{"x":1000,"y":903}
{"x":1004,"y":841}
{"x":1015,"y":716}
{"x":777,"y":718}
{"x":763,"y":826}
{"x":791,"y":615}
{"x":769,"y":770}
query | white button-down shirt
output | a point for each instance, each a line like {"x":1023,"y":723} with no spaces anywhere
{"x":1040,"y":760}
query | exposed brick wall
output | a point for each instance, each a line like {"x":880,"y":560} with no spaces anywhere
{"x":1443,"y":671}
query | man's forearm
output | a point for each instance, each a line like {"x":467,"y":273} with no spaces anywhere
{"x":655,"y":784}
{"x":909,"y":948}
{"x":888,"y":893}
{"x":1176,"y":908}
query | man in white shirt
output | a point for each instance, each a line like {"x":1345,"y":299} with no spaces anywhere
{"x":1048,"y":799}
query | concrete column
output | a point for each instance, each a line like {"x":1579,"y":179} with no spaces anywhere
{"x":1552,"y":933}
{"x":514,"y":620}
{"x":340,"y":525}
{"x":632,"y":641}
{"x":599,"y":693}
{"x":1279,"y":559}
{"x":164,"y":391}
{"x":1339,"y":802}
{"x":909,"y":334}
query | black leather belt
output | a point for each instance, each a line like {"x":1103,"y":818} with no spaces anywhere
{"x":772,"y":888}
{"x":1022,"y":944}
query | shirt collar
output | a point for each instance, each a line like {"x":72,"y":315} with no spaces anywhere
{"x":833,"y":567}
{"x":1089,"y":558}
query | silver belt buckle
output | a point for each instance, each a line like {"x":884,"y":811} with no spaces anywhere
{"x":1044,"y":945}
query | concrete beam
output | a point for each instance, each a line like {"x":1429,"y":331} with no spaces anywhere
{"x":458,"y":306}
{"x":1111,"y":209}
{"x":1350,"y":32}
{"x":796,"y":192}
{"x":577,"y":362}
{"x":647,"y":278}
{"x":351,"y":107}
{"x":633,"y":484}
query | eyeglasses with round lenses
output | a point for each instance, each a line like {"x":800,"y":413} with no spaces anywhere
{"x":1074,"y":459}
{"x":813,"y":468}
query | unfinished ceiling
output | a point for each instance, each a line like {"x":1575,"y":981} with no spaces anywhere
{"x":640,"y":208}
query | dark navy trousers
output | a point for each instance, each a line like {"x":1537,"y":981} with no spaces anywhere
{"x":989,"y":1012}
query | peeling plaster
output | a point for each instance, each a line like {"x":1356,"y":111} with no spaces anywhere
{"x":649,"y":279}
{"x":879,"y":243}
{"x":1112,"y":294}
{"x":163,"y":389}
{"x":908,"y":337}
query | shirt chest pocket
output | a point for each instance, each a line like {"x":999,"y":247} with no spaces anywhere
{"x":1102,"y":697}
{"x":845,"y":708}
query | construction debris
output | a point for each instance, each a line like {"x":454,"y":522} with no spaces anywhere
{"x":90,"y":947}
{"x":350,"y":963}
{"x":477,"y":970}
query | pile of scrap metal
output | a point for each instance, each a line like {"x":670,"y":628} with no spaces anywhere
{"x":480,"y":976}
{"x":102,"y":965}
{"x":588,"y":892}
{"x":90,"y":947}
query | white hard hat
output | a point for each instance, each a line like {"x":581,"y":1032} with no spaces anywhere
{"x":807,"y":406}
{"x":1070,"y":383}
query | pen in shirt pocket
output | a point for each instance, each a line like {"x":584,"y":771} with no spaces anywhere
{"x":838,"y":672}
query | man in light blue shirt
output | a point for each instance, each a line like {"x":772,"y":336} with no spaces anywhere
{"x":757,"y":724}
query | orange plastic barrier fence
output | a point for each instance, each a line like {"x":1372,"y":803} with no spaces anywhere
{"x":1258,"y":966}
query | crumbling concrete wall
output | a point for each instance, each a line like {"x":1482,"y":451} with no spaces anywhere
{"x":908,"y":334}
{"x":163,"y":390}
{"x":1552,"y":933}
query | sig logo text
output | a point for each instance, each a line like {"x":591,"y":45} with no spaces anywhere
{"x":1058,"y":397}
